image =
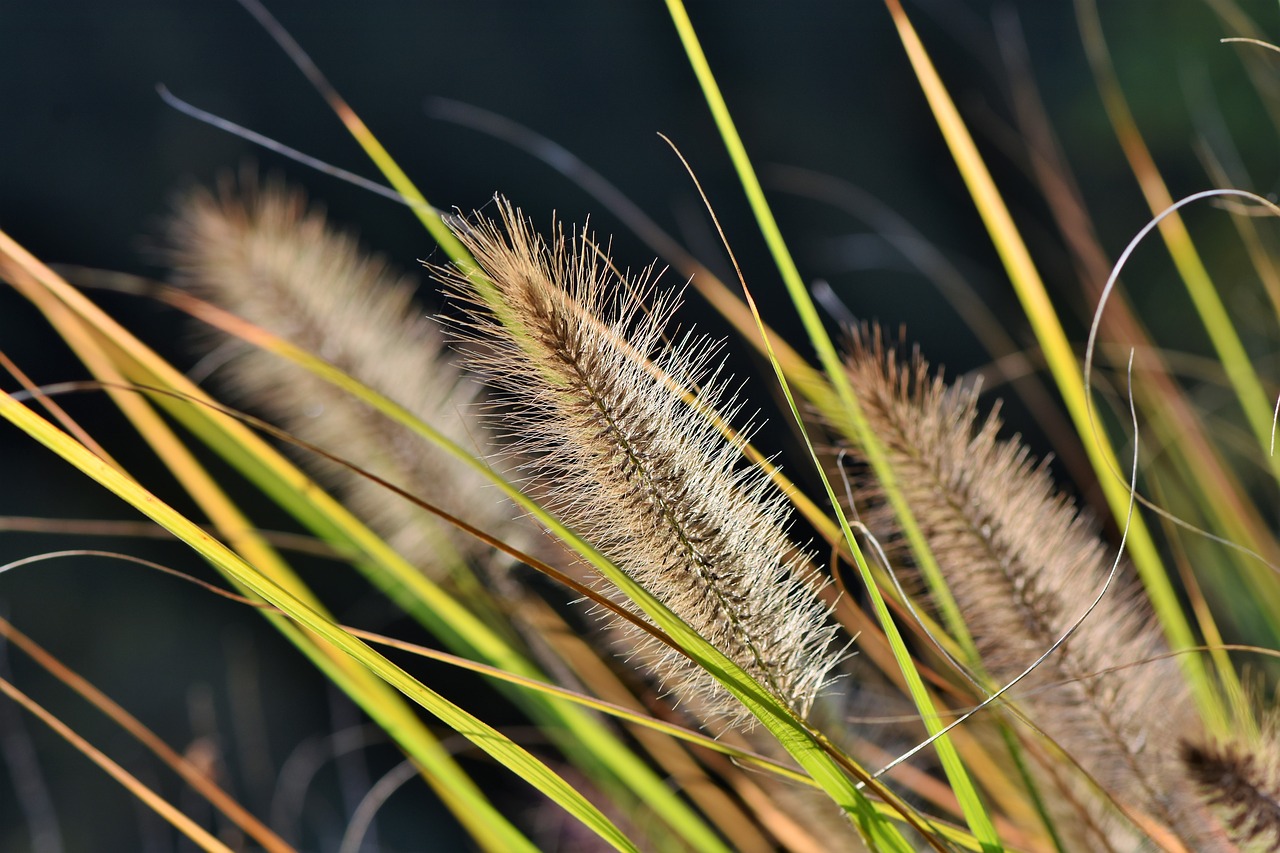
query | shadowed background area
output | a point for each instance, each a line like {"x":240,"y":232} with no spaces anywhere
{"x":90,"y":157}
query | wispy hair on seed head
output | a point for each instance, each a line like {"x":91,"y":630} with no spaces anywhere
{"x":1237,"y":774}
{"x":1022,"y":563}
{"x":263,"y":253}
{"x":634,"y":468}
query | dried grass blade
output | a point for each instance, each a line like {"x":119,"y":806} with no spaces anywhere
{"x":488,"y":739}
{"x":161,"y":806}
{"x":1062,"y":361}
{"x":974,"y":809}
{"x":193,"y":776}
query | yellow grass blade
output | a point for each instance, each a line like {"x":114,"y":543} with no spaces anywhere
{"x":158,"y":804}
{"x":520,"y":761}
{"x":112,"y":353}
{"x":974,"y":810}
{"x":191,"y":774}
{"x":1058,"y":353}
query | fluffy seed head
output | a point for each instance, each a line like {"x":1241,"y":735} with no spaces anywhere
{"x":262,"y":254}
{"x":1238,"y":777}
{"x":628,"y":464}
{"x":1023,"y":566}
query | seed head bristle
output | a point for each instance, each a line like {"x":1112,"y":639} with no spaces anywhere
{"x":261,"y":253}
{"x":1023,"y":565}
{"x":634,"y":468}
{"x":1238,"y":777}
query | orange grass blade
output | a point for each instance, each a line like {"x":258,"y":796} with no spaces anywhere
{"x":192,"y":775}
{"x":89,"y":330}
{"x":161,"y":806}
{"x":1062,"y":360}
{"x":481,"y":734}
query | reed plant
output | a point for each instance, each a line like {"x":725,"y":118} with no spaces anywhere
{"x":913,"y":637}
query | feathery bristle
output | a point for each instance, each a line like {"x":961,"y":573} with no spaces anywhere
{"x":627,"y":464}
{"x":1023,"y":566}
{"x":1239,"y":778}
{"x":263,"y":255}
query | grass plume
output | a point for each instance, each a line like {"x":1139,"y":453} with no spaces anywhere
{"x":1137,"y":734}
{"x":1023,"y":565}
{"x":1238,"y":777}
{"x":263,"y":253}
{"x":630,"y":466}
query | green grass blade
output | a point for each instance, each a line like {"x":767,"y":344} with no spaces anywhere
{"x":1061,"y":359}
{"x":1204,"y":296}
{"x":971,"y":803}
{"x":481,"y":734}
{"x":580,"y":734}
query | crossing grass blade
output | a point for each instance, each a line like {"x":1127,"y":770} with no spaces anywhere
{"x":971,"y":802}
{"x":1059,"y":355}
{"x":444,"y":615}
{"x":488,"y":739}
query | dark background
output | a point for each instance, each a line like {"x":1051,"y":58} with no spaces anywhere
{"x":89,"y":158}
